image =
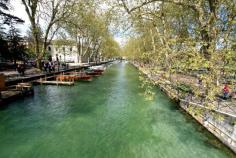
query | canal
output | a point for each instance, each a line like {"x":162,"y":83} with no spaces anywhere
{"x":106,"y":118}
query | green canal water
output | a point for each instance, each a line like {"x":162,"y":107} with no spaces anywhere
{"x":105,"y":118}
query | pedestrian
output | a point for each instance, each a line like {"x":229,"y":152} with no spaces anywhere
{"x":53,"y":66}
{"x":22,"y":69}
{"x":18,"y":69}
{"x":226,"y":91}
{"x":45,"y":66}
{"x":50,"y":66}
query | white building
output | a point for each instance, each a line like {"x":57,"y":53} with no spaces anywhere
{"x":66,"y":52}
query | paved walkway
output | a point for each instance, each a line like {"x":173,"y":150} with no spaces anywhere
{"x":13,"y":77}
{"x":224,"y":106}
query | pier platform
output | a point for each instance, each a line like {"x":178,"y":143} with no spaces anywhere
{"x":54,"y":83}
{"x":15,"y":92}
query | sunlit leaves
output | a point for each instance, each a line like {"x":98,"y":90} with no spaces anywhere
{"x":194,"y":40}
{"x":148,"y":86}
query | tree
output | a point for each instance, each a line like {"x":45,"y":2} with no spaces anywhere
{"x":53,"y":12}
{"x":16,"y":48}
{"x":184,"y":36}
{"x":5,"y":17}
{"x":3,"y":46}
{"x":30,"y":41}
{"x":89,"y":30}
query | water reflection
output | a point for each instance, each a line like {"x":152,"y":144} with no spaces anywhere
{"x":104,"y":118}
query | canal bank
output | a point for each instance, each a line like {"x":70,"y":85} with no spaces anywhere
{"x":35,"y":77}
{"x":12,"y":90}
{"x":223,"y":129}
{"x":106,"y":118}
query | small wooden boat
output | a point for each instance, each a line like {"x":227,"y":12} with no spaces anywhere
{"x":63,"y":78}
{"x":99,"y":69}
{"x":81,"y":76}
{"x":93,"y":73}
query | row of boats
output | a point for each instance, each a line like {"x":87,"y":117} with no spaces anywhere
{"x":82,"y":75}
{"x":67,"y":78}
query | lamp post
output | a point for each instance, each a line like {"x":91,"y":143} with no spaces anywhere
{"x":60,"y":61}
{"x":64,"y":53}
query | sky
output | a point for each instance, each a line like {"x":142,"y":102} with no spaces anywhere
{"x":19,"y":11}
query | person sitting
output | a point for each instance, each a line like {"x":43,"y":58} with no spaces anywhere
{"x":226,"y":91}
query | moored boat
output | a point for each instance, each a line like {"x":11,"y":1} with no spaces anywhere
{"x":99,"y":69}
{"x":93,"y":73}
{"x":81,"y":76}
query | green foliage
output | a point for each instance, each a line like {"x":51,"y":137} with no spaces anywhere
{"x":5,"y":17}
{"x":178,"y":37}
{"x":90,"y":29}
{"x":62,"y":42}
{"x":110,"y":47}
{"x":11,"y":46}
{"x":15,"y":46}
{"x":148,"y":86}
{"x":31,"y":43}
{"x":185,"y":88}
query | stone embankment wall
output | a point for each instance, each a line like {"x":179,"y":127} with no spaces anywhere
{"x":224,"y":129}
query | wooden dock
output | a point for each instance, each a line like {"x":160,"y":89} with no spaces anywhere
{"x":15,"y":92}
{"x":54,"y":82}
